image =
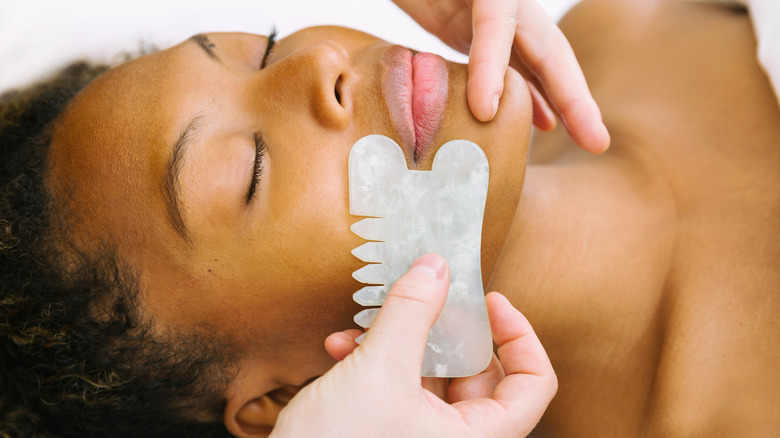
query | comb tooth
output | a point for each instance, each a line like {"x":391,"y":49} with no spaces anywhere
{"x":370,"y":296}
{"x":360,"y":338}
{"x":371,"y":274}
{"x":370,"y":252}
{"x":366,"y":317}
{"x":369,"y":229}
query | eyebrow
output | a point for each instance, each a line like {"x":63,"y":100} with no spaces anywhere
{"x":171,"y":186}
{"x":204,"y":43}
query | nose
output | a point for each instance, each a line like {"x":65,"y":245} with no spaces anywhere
{"x":316,"y":79}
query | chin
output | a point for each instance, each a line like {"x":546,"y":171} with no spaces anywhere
{"x":505,"y":141}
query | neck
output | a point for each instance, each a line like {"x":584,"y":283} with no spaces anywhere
{"x":538,"y":247}
{"x":586,"y":261}
{"x":589,"y":244}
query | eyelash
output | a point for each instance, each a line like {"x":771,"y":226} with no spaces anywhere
{"x":259,"y":144}
{"x":258,"y":168}
{"x":268,"y":47}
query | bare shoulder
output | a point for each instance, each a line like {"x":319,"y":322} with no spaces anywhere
{"x":678,"y":72}
{"x":681,"y":90}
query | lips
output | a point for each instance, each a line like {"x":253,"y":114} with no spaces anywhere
{"x":415,"y":88}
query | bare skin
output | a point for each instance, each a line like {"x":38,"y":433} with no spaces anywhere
{"x":270,"y":272}
{"x":651,"y":273}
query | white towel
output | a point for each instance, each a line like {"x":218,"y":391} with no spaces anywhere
{"x":766,"y":22}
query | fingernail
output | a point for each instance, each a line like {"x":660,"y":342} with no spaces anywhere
{"x":429,"y":265}
{"x":604,"y":138}
{"x":495,"y":106}
{"x":604,"y":130}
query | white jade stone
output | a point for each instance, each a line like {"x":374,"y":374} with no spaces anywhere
{"x":412,"y":213}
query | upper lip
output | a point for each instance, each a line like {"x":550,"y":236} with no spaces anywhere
{"x":398,"y":91}
{"x":415,"y":89}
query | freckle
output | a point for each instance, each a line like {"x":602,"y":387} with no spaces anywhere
{"x":215,"y":260}
{"x":209,"y":269}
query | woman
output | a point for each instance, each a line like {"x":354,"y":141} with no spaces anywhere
{"x":200,"y":205}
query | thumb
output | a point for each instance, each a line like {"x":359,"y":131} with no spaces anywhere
{"x":400,"y":330}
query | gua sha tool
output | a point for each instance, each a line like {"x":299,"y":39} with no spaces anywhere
{"x":411,"y":213}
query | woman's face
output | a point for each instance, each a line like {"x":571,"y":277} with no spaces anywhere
{"x":159,"y":155}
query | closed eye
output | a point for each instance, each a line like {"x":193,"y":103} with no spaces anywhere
{"x":258,"y":167}
{"x":259,"y":144}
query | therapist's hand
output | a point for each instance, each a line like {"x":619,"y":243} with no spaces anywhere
{"x":493,"y":30}
{"x":376,"y":391}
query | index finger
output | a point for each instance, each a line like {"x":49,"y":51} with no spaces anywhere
{"x":494,"y":23}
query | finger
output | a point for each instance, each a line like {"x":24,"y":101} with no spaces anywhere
{"x":519,"y":349}
{"x":401,"y":327}
{"x":544,"y":49}
{"x":530,"y":381}
{"x":544,"y":117}
{"x":481,"y":385}
{"x":494,"y":23}
{"x":437,"y":386}
{"x":341,"y":344}
{"x":450,"y":21}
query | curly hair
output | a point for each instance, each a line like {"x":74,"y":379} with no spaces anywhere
{"x":77,"y":357}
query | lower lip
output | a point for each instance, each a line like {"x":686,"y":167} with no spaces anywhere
{"x":416,"y":90}
{"x":429,"y":73}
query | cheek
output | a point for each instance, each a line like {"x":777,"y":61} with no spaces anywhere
{"x":293,"y":287}
{"x":304,"y":291}
{"x":301,"y":245}
{"x":508,"y":156}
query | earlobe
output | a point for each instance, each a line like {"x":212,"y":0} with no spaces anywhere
{"x":257,"y":395}
{"x":252,"y":418}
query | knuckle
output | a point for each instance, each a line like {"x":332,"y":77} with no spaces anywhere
{"x":407,"y":296}
{"x":414,"y":290}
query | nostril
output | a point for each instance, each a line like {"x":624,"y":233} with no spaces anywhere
{"x":337,"y":89}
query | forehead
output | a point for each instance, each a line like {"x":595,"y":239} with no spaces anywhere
{"x":109,"y":148}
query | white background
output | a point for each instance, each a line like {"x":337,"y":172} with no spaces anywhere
{"x":37,"y":36}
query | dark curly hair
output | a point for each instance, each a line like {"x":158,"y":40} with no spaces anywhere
{"x":77,"y":357}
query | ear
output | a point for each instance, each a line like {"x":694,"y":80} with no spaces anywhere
{"x":257,"y":395}
{"x":251,"y":418}
{"x":250,"y":412}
